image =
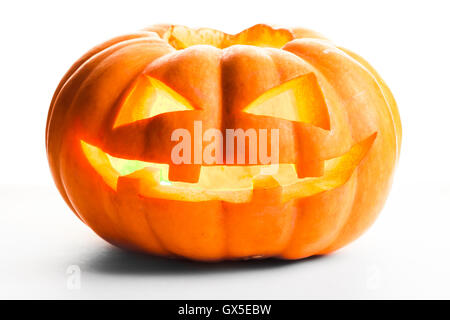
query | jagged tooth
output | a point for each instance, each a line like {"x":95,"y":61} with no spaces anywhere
{"x":139,"y":180}
{"x":184,"y":172}
{"x":266,"y":189}
{"x":309,"y":168}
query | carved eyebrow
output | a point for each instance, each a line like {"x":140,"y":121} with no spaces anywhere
{"x":299,"y":99}
{"x":147,"y":98}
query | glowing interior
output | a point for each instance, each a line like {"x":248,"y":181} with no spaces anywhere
{"x":211,"y":177}
{"x":181,"y":37}
{"x":227,"y":183}
{"x":299,"y":99}
{"x":148,"y":98}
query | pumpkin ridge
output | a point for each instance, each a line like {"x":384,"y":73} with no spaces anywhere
{"x":346,"y":233}
{"x":103,"y":54}
{"x":79,"y":63}
{"x":387,"y":94}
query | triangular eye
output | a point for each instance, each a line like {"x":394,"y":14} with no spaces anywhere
{"x":299,"y":99}
{"x":148,"y":98}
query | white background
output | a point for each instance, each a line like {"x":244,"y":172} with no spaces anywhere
{"x":406,"y":254}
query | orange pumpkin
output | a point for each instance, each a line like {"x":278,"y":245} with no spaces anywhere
{"x":109,"y":143}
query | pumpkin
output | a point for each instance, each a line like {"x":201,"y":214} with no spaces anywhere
{"x":109,"y":141}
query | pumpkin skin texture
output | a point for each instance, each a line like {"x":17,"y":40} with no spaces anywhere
{"x":344,"y":145}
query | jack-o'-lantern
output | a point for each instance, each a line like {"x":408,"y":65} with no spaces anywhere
{"x":110,"y":142}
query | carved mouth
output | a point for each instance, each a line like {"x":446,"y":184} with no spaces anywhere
{"x":238,"y":184}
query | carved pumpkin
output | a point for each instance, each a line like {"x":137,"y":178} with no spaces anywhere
{"x":109,"y":142}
